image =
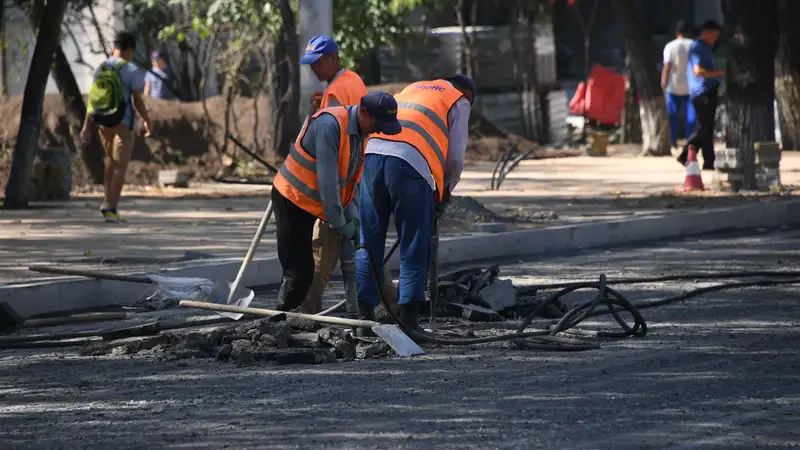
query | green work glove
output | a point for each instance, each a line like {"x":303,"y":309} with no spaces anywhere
{"x":350,"y":232}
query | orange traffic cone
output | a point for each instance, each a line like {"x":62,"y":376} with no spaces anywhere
{"x":693,"y":180}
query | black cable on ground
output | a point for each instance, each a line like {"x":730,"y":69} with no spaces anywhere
{"x":539,"y":339}
{"x":522,"y":290}
{"x":614,"y":302}
{"x":704,"y":290}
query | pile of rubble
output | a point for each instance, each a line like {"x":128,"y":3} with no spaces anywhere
{"x":474,"y":295}
{"x":272,"y":340}
{"x":478,"y":295}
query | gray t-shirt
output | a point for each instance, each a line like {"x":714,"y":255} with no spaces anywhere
{"x":132,"y":77}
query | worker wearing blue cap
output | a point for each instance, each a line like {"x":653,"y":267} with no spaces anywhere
{"x":318,"y":181}
{"x":410,"y":175}
{"x":344,"y":88}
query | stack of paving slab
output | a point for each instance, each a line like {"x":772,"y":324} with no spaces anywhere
{"x":729,"y":166}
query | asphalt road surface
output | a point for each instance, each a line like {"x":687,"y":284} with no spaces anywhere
{"x":719,"y":371}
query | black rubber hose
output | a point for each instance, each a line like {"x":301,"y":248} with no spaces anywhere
{"x":614,"y":301}
{"x":538,"y":339}
{"x":511,"y":167}
{"x":522,"y":290}
{"x":501,"y":165}
{"x":704,"y":290}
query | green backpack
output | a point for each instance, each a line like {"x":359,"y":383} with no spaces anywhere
{"x":107,"y":102}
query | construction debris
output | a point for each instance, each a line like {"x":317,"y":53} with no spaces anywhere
{"x":259,"y":341}
{"x":478,"y":295}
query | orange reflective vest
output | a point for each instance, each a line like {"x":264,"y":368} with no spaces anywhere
{"x":422,"y":110}
{"x":297,"y":177}
{"x":347,"y":88}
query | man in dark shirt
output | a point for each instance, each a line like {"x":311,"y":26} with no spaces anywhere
{"x":704,"y":80}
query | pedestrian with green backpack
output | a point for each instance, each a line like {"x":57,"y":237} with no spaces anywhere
{"x":116,"y":90}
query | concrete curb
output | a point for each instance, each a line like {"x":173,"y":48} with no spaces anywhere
{"x":69,"y":294}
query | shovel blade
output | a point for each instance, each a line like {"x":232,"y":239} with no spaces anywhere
{"x":241,"y":298}
{"x":399,"y":341}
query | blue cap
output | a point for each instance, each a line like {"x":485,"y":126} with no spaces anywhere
{"x":156,"y":55}
{"x":383,"y":107}
{"x":317,"y":47}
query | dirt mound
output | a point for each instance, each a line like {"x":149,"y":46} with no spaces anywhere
{"x":185,"y":136}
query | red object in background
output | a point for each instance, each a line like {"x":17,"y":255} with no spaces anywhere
{"x":604,"y":98}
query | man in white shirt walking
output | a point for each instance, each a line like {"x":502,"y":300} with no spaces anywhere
{"x":675,"y":83}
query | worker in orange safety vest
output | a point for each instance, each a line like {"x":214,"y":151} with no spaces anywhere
{"x":344,"y":88}
{"x":318,"y":181}
{"x":409,"y":175}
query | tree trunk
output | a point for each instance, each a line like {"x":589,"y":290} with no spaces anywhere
{"x":3,"y":51}
{"x":750,"y":78}
{"x":286,"y":123}
{"x":652,"y":104}
{"x":523,"y":47}
{"x":787,"y":73}
{"x":93,"y":155}
{"x":48,"y":36}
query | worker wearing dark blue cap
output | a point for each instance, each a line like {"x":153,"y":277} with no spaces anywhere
{"x":318,"y":181}
{"x":410,"y":175}
{"x":344,"y":88}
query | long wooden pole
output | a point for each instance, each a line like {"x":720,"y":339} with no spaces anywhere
{"x":271,"y":312}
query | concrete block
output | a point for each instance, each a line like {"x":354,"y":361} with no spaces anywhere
{"x":768,"y":177}
{"x":726,"y":177}
{"x":768,"y":159}
{"x":767,"y":147}
{"x":727,"y":159}
{"x":174,"y":178}
{"x":499,"y":295}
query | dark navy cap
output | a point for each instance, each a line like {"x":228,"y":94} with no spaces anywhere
{"x":317,"y":47}
{"x":463,"y":81}
{"x":156,"y":55}
{"x":383,"y":107}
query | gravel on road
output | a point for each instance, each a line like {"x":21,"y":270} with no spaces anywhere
{"x":718,"y":371}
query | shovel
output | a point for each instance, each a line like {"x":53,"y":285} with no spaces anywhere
{"x":391,"y":334}
{"x":231,"y":294}
{"x":236,"y":296}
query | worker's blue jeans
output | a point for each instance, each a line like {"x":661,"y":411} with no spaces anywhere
{"x":391,"y":186}
{"x":674,"y":105}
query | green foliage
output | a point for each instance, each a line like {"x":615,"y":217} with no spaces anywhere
{"x":360,"y":25}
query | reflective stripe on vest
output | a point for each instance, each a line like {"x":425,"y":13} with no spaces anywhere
{"x":347,"y":88}
{"x":297,"y":177}
{"x":422,"y":110}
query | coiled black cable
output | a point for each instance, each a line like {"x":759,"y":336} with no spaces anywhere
{"x":541,"y":339}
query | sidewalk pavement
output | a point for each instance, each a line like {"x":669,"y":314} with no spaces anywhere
{"x":221,"y":219}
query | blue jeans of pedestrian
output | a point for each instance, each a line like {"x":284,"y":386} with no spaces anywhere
{"x":389,"y":186}
{"x":674,"y":105}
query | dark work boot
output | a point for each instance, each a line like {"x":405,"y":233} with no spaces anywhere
{"x":366,"y":311}
{"x":409,"y":315}
{"x":283,"y":294}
